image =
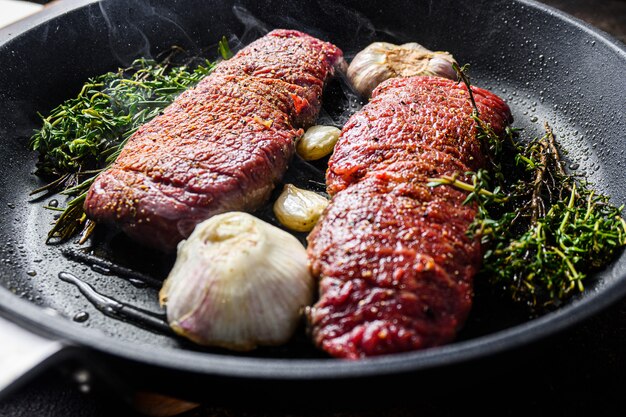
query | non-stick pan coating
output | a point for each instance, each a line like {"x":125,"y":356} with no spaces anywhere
{"x":547,"y":66}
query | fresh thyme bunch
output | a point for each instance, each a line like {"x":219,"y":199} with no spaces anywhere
{"x":87,"y":131}
{"x":549,"y":232}
{"x":82,"y":136}
{"x":544,"y":230}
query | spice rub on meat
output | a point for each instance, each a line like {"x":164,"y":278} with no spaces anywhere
{"x":218,"y":147}
{"x":395,"y":262}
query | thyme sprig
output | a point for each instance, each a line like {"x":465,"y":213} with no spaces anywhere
{"x":545,"y":230}
{"x":553,"y":231}
{"x":84,"y":135}
{"x":492,"y":144}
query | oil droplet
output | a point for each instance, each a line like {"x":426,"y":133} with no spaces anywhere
{"x":81,"y":317}
{"x":106,"y":267}
{"x":53,"y":203}
{"x":155,"y":321}
{"x":31,"y":273}
{"x":137,"y":283}
{"x":101,"y":269}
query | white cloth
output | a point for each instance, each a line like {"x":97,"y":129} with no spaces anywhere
{"x":12,"y":11}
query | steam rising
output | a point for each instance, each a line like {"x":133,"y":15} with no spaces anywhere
{"x":364,"y":30}
{"x":126,"y":24}
{"x":126,"y":40}
{"x":130,"y":26}
{"x":340,"y":100}
{"x":254,"y":28}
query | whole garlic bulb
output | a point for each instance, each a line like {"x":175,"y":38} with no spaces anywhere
{"x":299,"y":209}
{"x":381,"y":61}
{"x":238,"y":282}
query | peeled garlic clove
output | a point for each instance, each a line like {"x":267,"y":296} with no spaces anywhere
{"x":381,"y":61}
{"x":237,"y":283}
{"x":317,"y":142}
{"x":299,"y":209}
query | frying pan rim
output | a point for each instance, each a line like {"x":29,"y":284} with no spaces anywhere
{"x":64,"y":329}
{"x":616,"y":45}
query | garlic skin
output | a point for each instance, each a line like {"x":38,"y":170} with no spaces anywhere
{"x":317,"y":142}
{"x":299,"y":209}
{"x":381,"y":61}
{"x":238,"y":282}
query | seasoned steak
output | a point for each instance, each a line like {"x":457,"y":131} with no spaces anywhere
{"x":218,"y":147}
{"x":393,"y":255}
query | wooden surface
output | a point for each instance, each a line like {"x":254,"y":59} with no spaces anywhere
{"x":579,"y":372}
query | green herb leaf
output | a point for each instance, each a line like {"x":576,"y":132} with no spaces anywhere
{"x":544,"y":230}
{"x":85,"y":134}
{"x":224,"y":49}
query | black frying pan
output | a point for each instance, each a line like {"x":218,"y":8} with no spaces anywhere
{"x":548,"y":66}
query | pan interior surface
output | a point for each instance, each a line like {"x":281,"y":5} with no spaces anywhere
{"x":547,"y":67}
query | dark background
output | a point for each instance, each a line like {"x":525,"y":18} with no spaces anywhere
{"x":581,"y":371}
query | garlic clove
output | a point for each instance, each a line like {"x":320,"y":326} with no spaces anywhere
{"x":381,"y":61}
{"x":237,"y":283}
{"x":317,"y":142}
{"x":442,"y":66}
{"x":299,"y":209}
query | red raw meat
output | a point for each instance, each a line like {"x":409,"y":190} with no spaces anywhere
{"x":218,"y":147}
{"x":395,"y":262}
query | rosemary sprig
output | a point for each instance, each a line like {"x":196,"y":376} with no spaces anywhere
{"x":224,"y":49}
{"x":81,"y":133}
{"x":84,"y":135}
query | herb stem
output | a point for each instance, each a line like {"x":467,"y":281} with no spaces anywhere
{"x":454,"y":181}
{"x":536,"y":203}
{"x":84,"y":135}
{"x":544,"y":230}
{"x":570,"y":206}
{"x":589,"y":206}
{"x":462,"y":73}
{"x":573,"y":275}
